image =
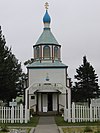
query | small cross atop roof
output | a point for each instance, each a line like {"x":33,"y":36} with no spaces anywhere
{"x":46,"y":5}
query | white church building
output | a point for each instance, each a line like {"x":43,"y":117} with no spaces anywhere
{"x":49,"y":86}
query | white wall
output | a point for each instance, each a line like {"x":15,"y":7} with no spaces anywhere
{"x":32,"y":102}
{"x":62,"y":100}
{"x":55,"y":75}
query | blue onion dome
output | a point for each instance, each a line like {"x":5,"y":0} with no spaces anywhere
{"x":46,"y":18}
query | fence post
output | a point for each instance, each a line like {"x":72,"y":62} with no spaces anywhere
{"x":69,"y":105}
{"x":73,"y":112}
{"x":12,"y":114}
{"x":69,"y":114}
{"x":65,"y":114}
{"x":2,"y":114}
{"x":26,"y":114}
{"x":21,"y":113}
{"x":91,"y":113}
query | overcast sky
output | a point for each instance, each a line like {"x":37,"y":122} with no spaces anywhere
{"x":75,"y":24}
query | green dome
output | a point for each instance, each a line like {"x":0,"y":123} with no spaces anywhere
{"x":47,"y":38}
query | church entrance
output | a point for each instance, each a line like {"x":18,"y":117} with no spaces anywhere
{"x":47,"y":102}
{"x":50,"y":102}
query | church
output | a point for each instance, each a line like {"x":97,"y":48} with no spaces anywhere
{"x":49,"y":85}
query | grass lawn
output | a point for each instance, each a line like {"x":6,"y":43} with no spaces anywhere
{"x":32,"y":123}
{"x":78,"y":127}
{"x":81,"y":130}
{"x":60,"y":122}
{"x":26,"y":130}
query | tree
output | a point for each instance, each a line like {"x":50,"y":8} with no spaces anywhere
{"x":86,"y":86}
{"x":10,"y":71}
{"x":22,"y":84}
{"x":29,"y":62}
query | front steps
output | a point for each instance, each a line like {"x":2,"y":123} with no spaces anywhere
{"x":49,"y":113}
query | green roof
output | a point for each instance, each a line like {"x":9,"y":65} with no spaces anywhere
{"x":47,"y":37}
{"x":56,"y":64}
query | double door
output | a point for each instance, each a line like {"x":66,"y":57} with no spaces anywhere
{"x":47,"y":102}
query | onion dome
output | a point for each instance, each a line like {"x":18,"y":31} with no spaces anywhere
{"x":46,"y":18}
{"x":47,"y":36}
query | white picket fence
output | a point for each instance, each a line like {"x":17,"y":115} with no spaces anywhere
{"x":17,"y":114}
{"x":80,"y":113}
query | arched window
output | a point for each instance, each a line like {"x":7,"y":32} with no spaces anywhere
{"x":34,"y":52}
{"x":55,"y":52}
{"x":37,"y":52}
{"x":46,"y":52}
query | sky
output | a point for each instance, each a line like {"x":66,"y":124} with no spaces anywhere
{"x":75,"y":25}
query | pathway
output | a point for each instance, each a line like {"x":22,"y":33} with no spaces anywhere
{"x":46,"y":125}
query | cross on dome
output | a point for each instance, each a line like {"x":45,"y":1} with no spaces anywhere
{"x":46,"y":5}
{"x":46,"y":18}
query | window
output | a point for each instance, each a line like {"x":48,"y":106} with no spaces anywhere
{"x":32,"y":97}
{"x":46,"y":52}
{"x":55,"y":52}
{"x":37,"y":52}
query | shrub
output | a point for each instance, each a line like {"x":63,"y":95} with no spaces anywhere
{"x":4,"y":128}
{"x":88,"y":129}
{"x":31,"y":111}
{"x":97,"y":132}
{"x":62,"y":110}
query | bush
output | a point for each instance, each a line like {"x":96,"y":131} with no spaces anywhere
{"x":4,"y":128}
{"x":88,"y":129}
{"x":31,"y":111}
{"x":62,"y":110}
{"x":97,"y":132}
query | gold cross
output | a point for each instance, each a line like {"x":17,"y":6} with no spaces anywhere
{"x":46,"y":5}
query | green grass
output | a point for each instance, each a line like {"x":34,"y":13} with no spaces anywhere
{"x":60,"y":122}
{"x":32,"y":123}
{"x":4,"y":131}
{"x":27,"y":130}
{"x":88,"y":129}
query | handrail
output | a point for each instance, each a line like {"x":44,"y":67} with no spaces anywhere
{"x":33,"y":105}
{"x":61,"y":105}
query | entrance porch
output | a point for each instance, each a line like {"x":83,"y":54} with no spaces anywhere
{"x":47,"y":97}
{"x":47,"y":102}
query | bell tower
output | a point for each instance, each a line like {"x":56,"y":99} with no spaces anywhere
{"x":47,"y":48}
